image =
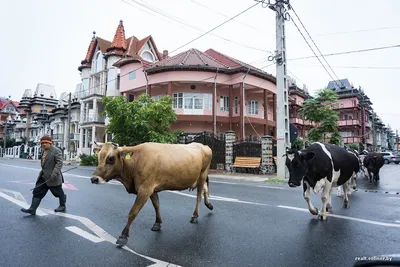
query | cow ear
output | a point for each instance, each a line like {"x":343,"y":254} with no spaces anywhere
{"x":125,"y":154}
{"x":308,"y":156}
{"x":96,"y":150}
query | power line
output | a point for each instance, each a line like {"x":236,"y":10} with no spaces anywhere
{"x":350,"y":52}
{"x":216,"y":27}
{"x":314,"y":53}
{"x":185,"y":23}
{"x":294,"y":11}
{"x":363,"y":30}
{"x":358,"y":67}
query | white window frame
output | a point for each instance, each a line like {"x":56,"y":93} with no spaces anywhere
{"x":178,"y":100}
{"x":252,"y":106}
{"x":224,"y":103}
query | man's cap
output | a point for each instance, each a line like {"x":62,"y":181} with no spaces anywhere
{"x":46,"y":139}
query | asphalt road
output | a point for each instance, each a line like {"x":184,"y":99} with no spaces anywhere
{"x":252,"y":224}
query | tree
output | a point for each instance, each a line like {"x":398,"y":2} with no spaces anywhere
{"x":143,"y":120}
{"x":320,"y":110}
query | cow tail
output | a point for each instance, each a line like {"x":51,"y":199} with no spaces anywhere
{"x":208,"y":183}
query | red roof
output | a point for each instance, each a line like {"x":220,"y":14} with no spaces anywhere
{"x":227,"y":60}
{"x":191,"y":57}
{"x":4,"y":103}
{"x":128,"y":48}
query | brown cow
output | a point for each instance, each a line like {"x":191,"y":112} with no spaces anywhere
{"x":149,"y":168}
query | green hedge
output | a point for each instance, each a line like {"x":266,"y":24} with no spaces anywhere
{"x":88,"y":160}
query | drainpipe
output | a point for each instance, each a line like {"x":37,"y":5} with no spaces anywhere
{"x":147,"y":81}
{"x":243,"y":104}
{"x":215,"y":102}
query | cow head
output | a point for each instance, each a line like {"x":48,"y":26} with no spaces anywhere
{"x":297,"y":163}
{"x":110,"y":160}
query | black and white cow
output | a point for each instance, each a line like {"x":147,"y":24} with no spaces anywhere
{"x":353,"y":178}
{"x":322,"y":166}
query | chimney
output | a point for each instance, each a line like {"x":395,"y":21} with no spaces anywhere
{"x":165,"y":54}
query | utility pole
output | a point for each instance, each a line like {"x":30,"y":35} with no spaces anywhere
{"x":282,"y":94}
{"x":397,"y":140}
{"x":69,"y":126}
{"x":5,"y":136}
{"x":373,"y":131}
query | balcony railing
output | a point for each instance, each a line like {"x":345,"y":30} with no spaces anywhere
{"x":349,"y":140}
{"x":98,"y":90}
{"x":74,"y":136}
{"x":300,"y":121}
{"x":57,"y":136}
{"x":94,"y":119}
{"x":349,"y":122}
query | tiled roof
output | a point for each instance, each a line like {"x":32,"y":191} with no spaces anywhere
{"x":118,"y":44}
{"x":227,"y":60}
{"x":343,"y":84}
{"x":191,"y":57}
{"x":4,"y":103}
{"x":128,"y":48}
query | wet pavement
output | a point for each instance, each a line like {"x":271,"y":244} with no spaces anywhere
{"x":252,"y":224}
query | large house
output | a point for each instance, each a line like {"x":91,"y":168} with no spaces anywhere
{"x":209,"y":89}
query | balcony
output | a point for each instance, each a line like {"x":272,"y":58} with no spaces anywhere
{"x":74,"y":136}
{"x":350,"y":140}
{"x":94,"y":119}
{"x":58,"y":136}
{"x":300,"y":121}
{"x":349,"y":122}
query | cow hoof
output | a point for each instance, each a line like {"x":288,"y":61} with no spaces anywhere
{"x":328,"y":209}
{"x":122,"y":241}
{"x":210,"y":206}
{"x":314,"y":211}
{"x":346,"y":205}
{"x":194,"y":220}
{"x":354,"y":187}
{"x":322,"y":217}
{"x":156,"y":227}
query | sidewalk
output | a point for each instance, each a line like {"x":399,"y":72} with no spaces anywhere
{"x":213,"y":174}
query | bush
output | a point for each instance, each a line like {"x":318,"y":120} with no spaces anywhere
{"x":88,"y":160}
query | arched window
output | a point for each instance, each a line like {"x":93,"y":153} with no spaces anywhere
{"x":97,"y":62}
{"x":148,"y":56}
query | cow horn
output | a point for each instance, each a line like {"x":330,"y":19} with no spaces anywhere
{"x":115,"y":144}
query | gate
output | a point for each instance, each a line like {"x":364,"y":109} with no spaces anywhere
{"x":216,"y":144}
{"x":246,"y":149}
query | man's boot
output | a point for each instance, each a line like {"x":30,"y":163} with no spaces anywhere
{"x":61,"y":208}
{"x":33,"y":207}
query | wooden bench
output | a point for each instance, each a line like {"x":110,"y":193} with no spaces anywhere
{"x":246,"y":163}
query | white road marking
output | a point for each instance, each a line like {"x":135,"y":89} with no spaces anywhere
{"x":100,"y":232}
{"x":273,"y":187}
{"x":398,"y":198}
{"x":345,"y":217}
{"x":238,"y":201}
{"x":218,"y":182}
{"x":17,"y":195}
{"x":84,"y":234}
{"x":21,"y":203}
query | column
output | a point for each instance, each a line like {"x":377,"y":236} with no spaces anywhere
{"x":86,"y":112}
{"x":214,"y":111}
{"x":93,"y":134}
{"x":241,"y":106}
{"x":80,"y":141}
{"x":170,"y":88}
{"x":82,"y":111}
{"x":95,"y":113}
{"x":229,"y":139}
{"x":266,"y":112}
{"x":65,"y":133}
{"x":274,"y":112}
{"x":266,"y":154}
{"x":149,"y":90}
{"x":231,"y":106}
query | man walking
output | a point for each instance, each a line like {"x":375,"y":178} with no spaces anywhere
{"x":50,"y":177}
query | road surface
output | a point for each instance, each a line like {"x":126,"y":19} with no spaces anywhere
{"x":252,"y":224}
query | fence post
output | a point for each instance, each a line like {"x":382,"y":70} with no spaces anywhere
{"x":266,"y":154}
{"x":229,"y":139}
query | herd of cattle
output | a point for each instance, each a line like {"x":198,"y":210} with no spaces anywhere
{"x":149,"y":168}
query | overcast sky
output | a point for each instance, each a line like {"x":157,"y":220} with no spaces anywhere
{"x":43,"y":41}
